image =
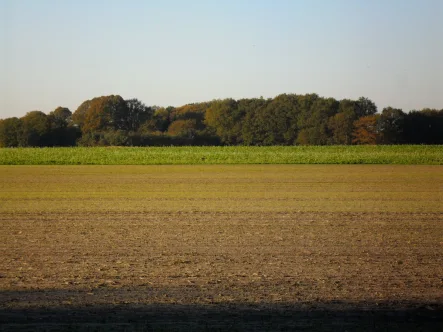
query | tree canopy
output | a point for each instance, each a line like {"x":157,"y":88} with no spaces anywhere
{"x":287,"y":119}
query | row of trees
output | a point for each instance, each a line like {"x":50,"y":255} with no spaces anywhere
{"x":287,"y":119}
{"x":38,"y":129}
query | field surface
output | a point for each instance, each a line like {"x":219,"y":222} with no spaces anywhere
{"x":211,"y":247}
{"x":367,"y":154}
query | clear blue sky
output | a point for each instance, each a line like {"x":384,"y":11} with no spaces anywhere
{"x":170,"y":52}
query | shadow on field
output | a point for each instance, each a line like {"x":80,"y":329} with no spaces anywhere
{"x":22,"y":312}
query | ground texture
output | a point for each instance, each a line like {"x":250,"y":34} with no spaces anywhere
{"x":273,"y":247}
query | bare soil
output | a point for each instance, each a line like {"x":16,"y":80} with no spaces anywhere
{"x":221,"y":256}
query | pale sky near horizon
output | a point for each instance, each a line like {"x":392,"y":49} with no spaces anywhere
{"x":170,"y":52}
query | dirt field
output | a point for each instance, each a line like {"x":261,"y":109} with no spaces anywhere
{"x":274,"y":247}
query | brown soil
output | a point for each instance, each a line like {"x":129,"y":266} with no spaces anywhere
{"x":225,"y":269}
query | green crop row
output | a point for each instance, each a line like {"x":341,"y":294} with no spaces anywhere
{"x":382,"y":154}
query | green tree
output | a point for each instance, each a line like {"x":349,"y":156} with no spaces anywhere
{"x":274,"y":122}
{"x":60,"y":117}
{"x":36,"y":128}
{"x":11,"y":131}
{"x":158,"y":123}
{"x":136,"y":114}
{"x":424,"y":127}
{"x":224,"y":119}
{"x":390,"y":126}
{"x":314,"y":122}
{"x":341,"y":124}
{"x":253,"y":131}
{"x":63,"y":132}
{"x":365,"y":107}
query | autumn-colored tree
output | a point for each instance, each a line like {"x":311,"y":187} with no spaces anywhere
{"x":365,"y":130}
{"x":97,"y":118}
{"x":284,"y":120}
{"x":183,"y":128}
{"x":101,"y":114}
{"x":79,"y":116}
{"x":195,"y":113}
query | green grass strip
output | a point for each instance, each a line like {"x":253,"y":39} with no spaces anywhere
{"x":382,"y":154}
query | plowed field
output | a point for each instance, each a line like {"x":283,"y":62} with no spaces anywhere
{"x":269,"y":247}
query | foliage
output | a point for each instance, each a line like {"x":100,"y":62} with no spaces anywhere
{"x":63,"y":131}
{"x":105,"y":113}
{"x":365,"y":107}
{"x":36,"y":128}
{"x":137,"y":113}
{"x":341,"y":125}
{"x":60,"y":117}
{"x":183,"y":128}
{"x":424,"y":127}
{"x":287,"y":119}
{"x":390,"y":126}
{"x":11,"y":132}
{"x":365,"y":130}
{"x":314,"y":122}
{"x":79,"y":115}
{"x":224,"y":118}
{"x":274,"y":121}
{"x":382,"y":154}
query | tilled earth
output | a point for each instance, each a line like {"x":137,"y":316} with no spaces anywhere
{"x":290,"y":248}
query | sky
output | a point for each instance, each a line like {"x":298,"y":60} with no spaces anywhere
{"x":171,"y":52}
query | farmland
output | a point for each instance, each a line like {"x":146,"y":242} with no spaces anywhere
{"x":326,"y":247}
{"x":382,"y":154}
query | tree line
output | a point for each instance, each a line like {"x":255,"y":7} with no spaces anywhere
{"x":287,"y":119}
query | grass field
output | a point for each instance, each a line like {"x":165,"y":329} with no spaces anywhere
{"x":227,"y":247}
{"x":400,"y":154}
